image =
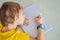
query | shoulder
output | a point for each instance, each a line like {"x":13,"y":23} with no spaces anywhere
{"x":0,"y":25}
{"x":22,"y":35}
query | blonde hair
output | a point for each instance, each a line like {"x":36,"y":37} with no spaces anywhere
{"x":8,"y":12}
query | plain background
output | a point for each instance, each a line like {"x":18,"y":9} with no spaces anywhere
{"x":50,"y":8}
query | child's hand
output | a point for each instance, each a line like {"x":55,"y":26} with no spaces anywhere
{"x":26,"y":22}
{"x":38,"y":19}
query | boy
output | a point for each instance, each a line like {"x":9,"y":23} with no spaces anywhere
{"x":11,"y":15}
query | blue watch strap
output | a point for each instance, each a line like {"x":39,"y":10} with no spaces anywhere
{"x":41,"y":26}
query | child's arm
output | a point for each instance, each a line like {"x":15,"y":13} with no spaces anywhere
{"x":40,"y":35}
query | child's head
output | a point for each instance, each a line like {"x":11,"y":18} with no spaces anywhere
{"x":10,"y":13}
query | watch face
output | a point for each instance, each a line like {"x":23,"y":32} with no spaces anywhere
{"x":43,"y":26}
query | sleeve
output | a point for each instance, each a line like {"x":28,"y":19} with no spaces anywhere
{"x":0,"y":25}
{"x":24,"y":36}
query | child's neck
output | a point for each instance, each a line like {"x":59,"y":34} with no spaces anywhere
{"x":4,"y":29}
{"x":7,"y":28}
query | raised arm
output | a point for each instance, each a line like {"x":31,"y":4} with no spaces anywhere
{"x":40,"y":35}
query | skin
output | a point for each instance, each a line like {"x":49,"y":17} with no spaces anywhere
{"x":24,"y":21}
{"x":40,"y":32}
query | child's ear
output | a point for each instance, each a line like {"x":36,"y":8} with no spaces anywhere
{"x":15,"y":17}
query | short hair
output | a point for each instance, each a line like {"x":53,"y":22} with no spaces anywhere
{"x":0,"y":13}
{"x":8,"y":12}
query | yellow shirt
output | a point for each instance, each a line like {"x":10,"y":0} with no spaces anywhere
{"x":13,"y":35}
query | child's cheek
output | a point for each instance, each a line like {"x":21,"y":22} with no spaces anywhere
{"x":21,"y":20}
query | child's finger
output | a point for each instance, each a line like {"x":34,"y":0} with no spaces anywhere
{"x":37,"y":17}
{"x":26,"y":22}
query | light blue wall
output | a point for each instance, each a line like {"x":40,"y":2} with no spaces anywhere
{"x":50,"y":8}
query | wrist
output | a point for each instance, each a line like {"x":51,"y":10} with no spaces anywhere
{"x":41,"y":26}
